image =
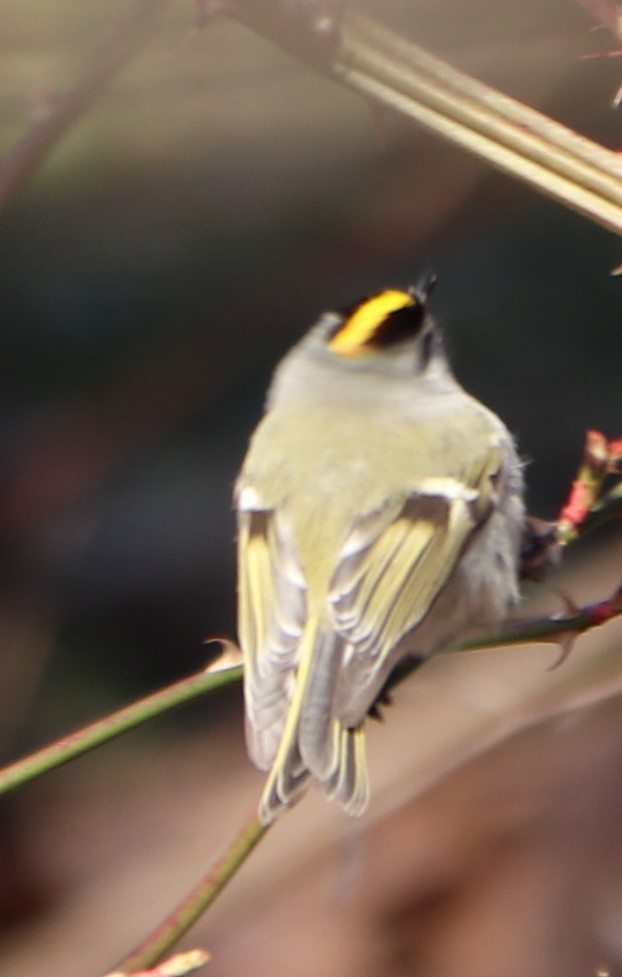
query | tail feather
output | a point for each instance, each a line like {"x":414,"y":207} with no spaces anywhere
{"x":284,"y":786}
{"x":318,"y":734}
{"x":289,"y":775}
{"x":349,"y":783}
{"x":314,"y":743}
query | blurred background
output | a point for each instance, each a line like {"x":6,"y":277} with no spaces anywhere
{"x":188,"y":228}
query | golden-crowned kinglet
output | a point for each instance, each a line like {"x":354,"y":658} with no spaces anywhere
{"x":380,"y":515}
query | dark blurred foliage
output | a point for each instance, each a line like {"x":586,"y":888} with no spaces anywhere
{"x":190,"y":226}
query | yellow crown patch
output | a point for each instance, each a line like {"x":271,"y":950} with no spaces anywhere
{"x":360,"y":328}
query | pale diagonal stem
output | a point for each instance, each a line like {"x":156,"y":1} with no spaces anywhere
{"x":513,"y":138}
{"x":569,"y":148}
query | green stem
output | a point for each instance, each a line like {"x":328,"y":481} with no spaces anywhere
{"x":544,"y":629}
{"x":160,"y":941}
{"x":94,"y":735}
{"x":558,"y":629}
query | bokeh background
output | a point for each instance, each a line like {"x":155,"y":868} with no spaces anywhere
{"x":187,"y":229}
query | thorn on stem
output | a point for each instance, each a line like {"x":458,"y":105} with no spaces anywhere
{"x":229,"y":656}
{"x":566,"y":644}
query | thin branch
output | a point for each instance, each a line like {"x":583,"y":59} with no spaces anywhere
{"x":197,"y":901}
{"x":114,"y":52}
{"x":94,"y":735}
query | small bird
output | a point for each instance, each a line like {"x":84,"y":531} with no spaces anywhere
{"x":380,"y":515}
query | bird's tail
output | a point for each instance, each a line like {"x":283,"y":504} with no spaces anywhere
{"x":315,"y":744}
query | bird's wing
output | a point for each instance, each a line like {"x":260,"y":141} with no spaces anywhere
{"x":271,"y":619}
{"x":397,"y":559}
